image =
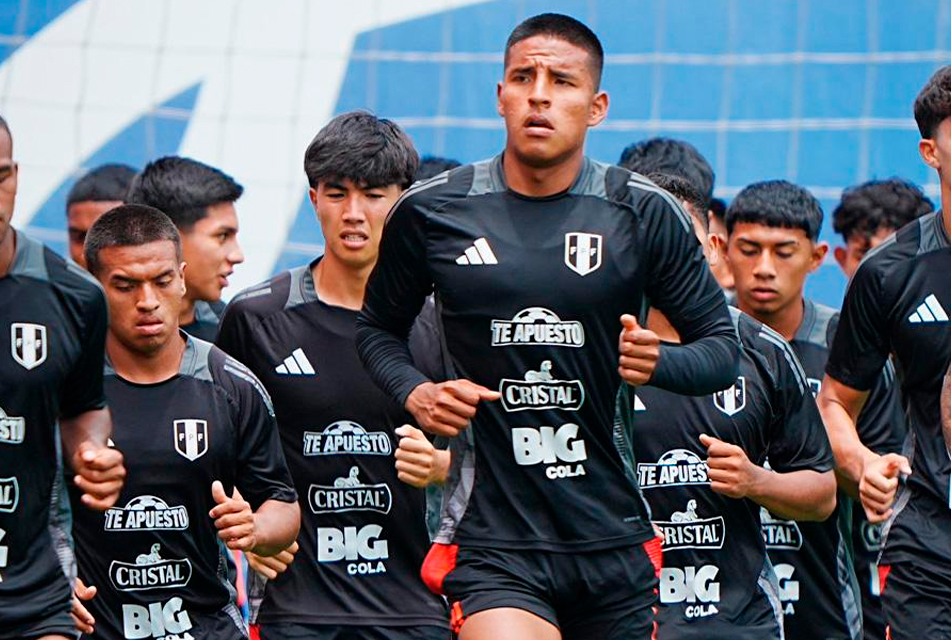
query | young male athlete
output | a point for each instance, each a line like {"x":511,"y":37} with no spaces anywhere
{"x":534,"y":256}
{"x":772,"y":247}
{"x":363,"y":540}
{"x":196,"y":424}
{"x":200,"y":201}
{"x":101,"y":189}
{"x":896,"y":305}
{"x":52,"y":329}
{"x":866,"y":215}
{"x":700,"y":465}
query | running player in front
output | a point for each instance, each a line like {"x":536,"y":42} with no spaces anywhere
{"x":364,"y":538}
{"x":701,"y":466}
{"x":896,"y":305}
{"x":52,"y":328}
{"x":196,"y":425}
{"x":534,"y":256}
{"x":772,"y":247}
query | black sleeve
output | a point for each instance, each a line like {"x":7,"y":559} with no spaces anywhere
{"x":881,"y":424}
{"x":395,"y":294}
{"x":797,"y":439}
{"x":231,"y":332}
{"x":681,"y":286}
{"x":860,"y":348}
{"x":425,"y":343}
{"x":261,"y":471}
{"x":82,"y":390}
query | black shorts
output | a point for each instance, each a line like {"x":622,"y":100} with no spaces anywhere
{"x":295,"y":631}
{"x":59,"y":624}
{"x":916,"y":597}
{"x":597,"y":594}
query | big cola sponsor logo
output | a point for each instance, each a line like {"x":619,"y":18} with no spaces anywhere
{"x":695,"y":587}
{"x":158,"y":620}
{"x":363,"y":549}
{"x":560,"y":450}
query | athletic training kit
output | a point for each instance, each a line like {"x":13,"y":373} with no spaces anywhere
{"x":363,"y":532}
{"x":207,"y":316}
{"x":529,"y":292}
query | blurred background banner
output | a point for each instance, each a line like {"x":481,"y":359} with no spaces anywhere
{"x":815,"y":92}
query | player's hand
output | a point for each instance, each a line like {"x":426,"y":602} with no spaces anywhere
{"x":271,"y":566}
{"x":418,"y":463}
{"x":445,"y":409}
{"x":729,"y":469}
{"x":639,"y":351}
{"x":83,"y":620}
{"x":879,"y":484}
{"x":233,"y":518}
{"x":99,"y":475}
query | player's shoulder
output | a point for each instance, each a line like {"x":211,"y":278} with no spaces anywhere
{"x":35,"y":261}
{"x":455,"y":184}
{"x":916,"y":239}
{"x":204,"y":361}
{"x":642,"y":195}
{"x":766,"y":345}
{"x":273,"y":295}
{"x":818,"y":324}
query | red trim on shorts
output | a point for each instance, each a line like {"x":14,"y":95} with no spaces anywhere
{"x":883,"y":571}
{"x":439,"y":562}
{"x":655,"y":551}
{"x":456,"y":617}
{"x":255,"y":632}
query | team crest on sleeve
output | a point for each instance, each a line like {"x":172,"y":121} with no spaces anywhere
{"x":733,"y":399}
{"x":583,"y":252}
{"x":28,"y":344}
{"x":191,"y":438}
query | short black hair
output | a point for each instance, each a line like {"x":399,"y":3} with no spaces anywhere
{"x":129,"y":225}
{"x":358,"y":146}
{"x":683,"y":190}
{"x":565,"y":28}
{"x":933,"y":103}
{"x":183,"y":189}
{"x":878,"y":204}
{"x":776,"y":203}
{"x":673,"y":157}
{"x":105,"y":183}
{"x":718,"y":209}
{"x":431,"y":166}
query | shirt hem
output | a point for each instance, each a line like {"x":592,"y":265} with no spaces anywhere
{"x":601,"y":544}
{"x":351,"y":620}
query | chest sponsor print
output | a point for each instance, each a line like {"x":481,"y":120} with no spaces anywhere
{"x":191,"y":438}
{"x":12,"y":428}
{"x":733,"y":399}
{"x":349,"y":494}
{"x":537,"y":326}
{"x":583,"y":252}
{"x":687,"y":530}
{"x":158,"y":620}
{"x":146,"y":513}
{"x":28,"y":344}
{"x":779,"y":534}
{"x":562,"y":450}
{"x":540,"y":390}
{"x":9,"y":494}
{"x":345,"y":437}
{"x":150,"y":571}
{"x":675,"y":468}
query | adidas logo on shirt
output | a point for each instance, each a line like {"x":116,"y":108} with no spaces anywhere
{"x":296,"y":364}
{"x":929,"y":311}
{"x":479,"y":253}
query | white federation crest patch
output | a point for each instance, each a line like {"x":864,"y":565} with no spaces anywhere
{"x":191,"y":438}
{"x":583,"y":252}
{"x":28,"y":344}
{"x":733,"y":399}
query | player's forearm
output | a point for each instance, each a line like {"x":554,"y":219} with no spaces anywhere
{"x":796,"y":495}
{"x":93,"y":426}
{"x":276,"y":525}
{"x":387,"y":359}
{"x":838,"y":415}
{"x":705,"y":366}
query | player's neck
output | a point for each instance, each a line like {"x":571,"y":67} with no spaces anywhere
{"x":539,"y":182}
{"x":659,"y":324}
{"x":8,"y":251}
{"x":785,"y":322}
{"x":187,"y":315}
{"x":340,"y":285}
{"x":146,"y":368}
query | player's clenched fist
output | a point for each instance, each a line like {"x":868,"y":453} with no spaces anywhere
{"x":99,"y":475}
{"x":233,"y":518}
{"x":879,"y":484}
{"x":271,"y":566}
{"x":639,"y":352}
{"x":729,"y":469}
{"x":445,"y":409}
{"x":418,"y":462}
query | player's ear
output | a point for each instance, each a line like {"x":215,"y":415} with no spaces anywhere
{"x":498,"y":100}
{"x":841,"y":254}
{"x":599,"y":109}
{"x":819,"y":255}
{"x":928,"y":150}
{"x":181,"y":273}
{"x":312,"y":194}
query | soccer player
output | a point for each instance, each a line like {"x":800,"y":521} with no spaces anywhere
{"x":103,"y":188}
{"x":718,"y":235}
{"x":896,"y":304}
{"x":195,"y":424}
{"x":52,"y":330}
{"x":432,"y":166}
{"x":534,"y":256}
{"x":865,"y":217}
{"x":772,"y":247}
{"x":200,"y":201}
{"x":700,"y":465}
{"x":364,"y":537}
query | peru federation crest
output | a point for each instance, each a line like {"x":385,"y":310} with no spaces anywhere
{"x":28,"y":344}
{"x":583,"y":252}
{"x":191,"y":438}
{"x":733,"y":399}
